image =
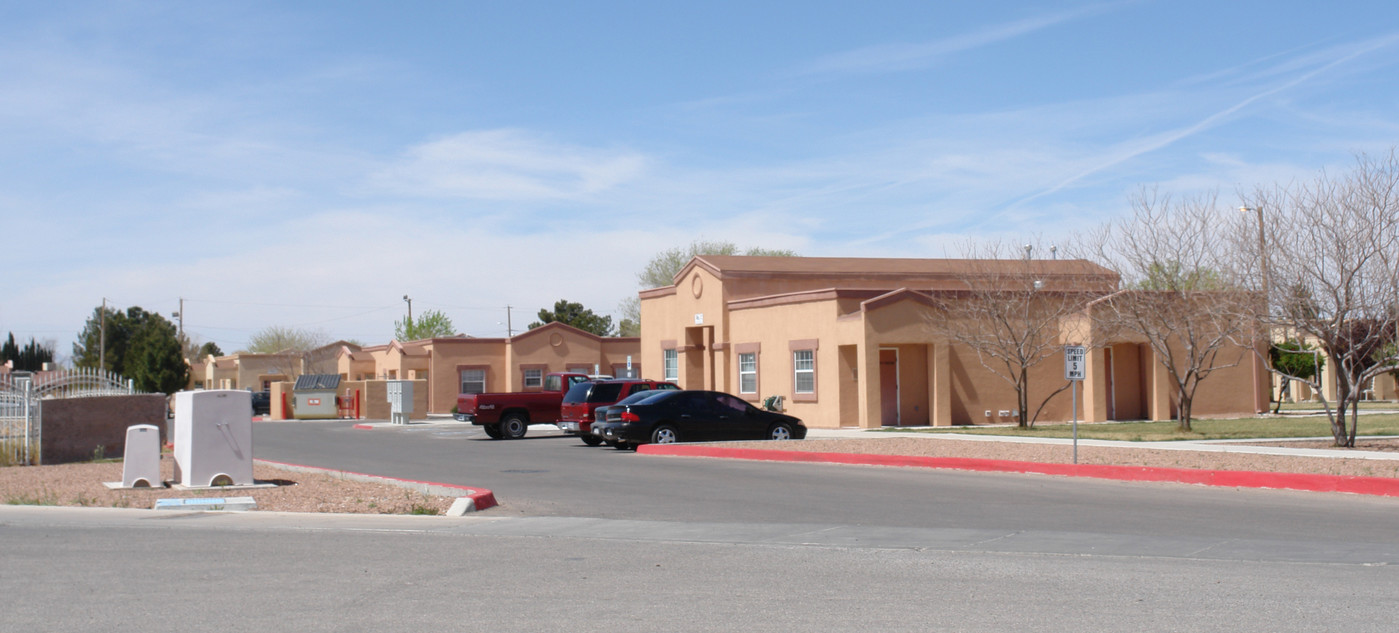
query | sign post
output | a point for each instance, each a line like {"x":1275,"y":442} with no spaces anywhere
{"x":1074,"y":371}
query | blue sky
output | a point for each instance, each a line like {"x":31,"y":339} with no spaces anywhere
{"x":308,"y":164}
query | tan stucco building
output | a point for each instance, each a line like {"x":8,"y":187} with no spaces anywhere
{"x":847,"y":342}
{"x":450,"y":366}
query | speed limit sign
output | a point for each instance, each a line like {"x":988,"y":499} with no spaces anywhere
{"x":1074,"y":362}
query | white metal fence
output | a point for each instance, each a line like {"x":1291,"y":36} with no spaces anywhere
{"x":22,"y":397}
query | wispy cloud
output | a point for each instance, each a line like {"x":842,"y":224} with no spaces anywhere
{"x":507,"y":165}
{"x":1299,"y":71}
{"x":907,"y":56}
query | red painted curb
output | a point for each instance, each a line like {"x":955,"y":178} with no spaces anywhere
{"x":484,"y":498}
{"x":363,"y":427}
{"x":1379,"y":486}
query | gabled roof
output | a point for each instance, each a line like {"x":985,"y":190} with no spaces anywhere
{"x":873,"y":268}
{"x":556,"y":326}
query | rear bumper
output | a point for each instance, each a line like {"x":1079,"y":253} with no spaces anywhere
{"x":619,"y":432}
{"x":575,"y":427}
{"x":464,"y":417}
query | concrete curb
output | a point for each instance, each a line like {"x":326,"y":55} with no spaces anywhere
{"x":1378,"y":486}
{"x":476,"y":498}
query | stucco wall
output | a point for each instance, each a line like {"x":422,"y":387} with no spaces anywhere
{"x":75,"y":427}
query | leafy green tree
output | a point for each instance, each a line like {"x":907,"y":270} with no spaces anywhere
{"x":429,"y":324}
{"x":140,"y":345}
{"x":155,"y":360}
{"x":663,"y":267}
{"x":120,"y":328}
{"x":209,"y":348}
{"x":1295,"y":359}
{"x":574,"y":314}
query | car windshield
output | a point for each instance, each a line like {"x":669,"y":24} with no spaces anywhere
{"x":605,"y":391}
{"x":577,"y":393}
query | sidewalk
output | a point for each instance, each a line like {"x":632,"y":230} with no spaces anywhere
{"x":1217,"y":446}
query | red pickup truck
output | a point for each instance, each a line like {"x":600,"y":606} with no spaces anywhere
{"x":509,"y":415}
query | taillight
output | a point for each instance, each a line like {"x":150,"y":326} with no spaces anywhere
{"x":628,"y":416}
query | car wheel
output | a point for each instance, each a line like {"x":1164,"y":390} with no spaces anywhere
{"x":513,"y":427}
{"x":664,"y":434}
{"x":780,"y":431}
{"x":492,"y":431}
{"x":592,"y":440}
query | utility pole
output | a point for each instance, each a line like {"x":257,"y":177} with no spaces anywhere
{"x":408,"y":327}
{"x":102,"y":336}
{"x":181,"y":316}
{"x":509,"y":330}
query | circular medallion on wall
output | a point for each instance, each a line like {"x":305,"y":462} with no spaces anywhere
{"x":556,"y":339}
{"x":697,"y":286}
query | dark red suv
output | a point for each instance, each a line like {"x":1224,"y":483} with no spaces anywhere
{"x":584,"y":398}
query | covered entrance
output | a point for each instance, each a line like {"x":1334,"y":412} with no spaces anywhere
{"x":889,"y":386}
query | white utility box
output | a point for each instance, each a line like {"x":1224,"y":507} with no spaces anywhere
{"x":400,"y":400}
{"x":214,"y":437}
{"x":140,"y":465}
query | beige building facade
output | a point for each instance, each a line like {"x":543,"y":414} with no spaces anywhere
{"x":451,"y":366}
{"x":847,"y":342}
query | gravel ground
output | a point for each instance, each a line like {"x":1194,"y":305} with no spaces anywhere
{"x":81,"y":484}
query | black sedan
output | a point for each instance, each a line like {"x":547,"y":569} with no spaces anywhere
{"x":693,"y":416}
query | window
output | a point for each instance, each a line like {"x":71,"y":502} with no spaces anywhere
{"x":748,"y":373}
{"x":473,"y":381}
{"x":671,"y":363}
{"x":534,"y":378}
{"x":804,"y":368}
{"x":804,"y":371}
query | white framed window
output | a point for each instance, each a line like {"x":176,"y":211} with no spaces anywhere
{"x":473,"y":381}
{"x":534,"y":378}
{"x":671,"y":363}
{"x":748,"y":373}
{"x":804,"y":371}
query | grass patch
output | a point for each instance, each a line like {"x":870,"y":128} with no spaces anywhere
{"x":1315,"y":407}
{"x":422,"y":509}
{"x":1165,"y":431}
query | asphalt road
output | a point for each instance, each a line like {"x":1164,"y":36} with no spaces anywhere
{"x":545,"y":475}
{"x":592,"y":539}
{"x":70,"y":569}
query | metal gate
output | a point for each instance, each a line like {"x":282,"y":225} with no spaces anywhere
{"x":22,"y":396}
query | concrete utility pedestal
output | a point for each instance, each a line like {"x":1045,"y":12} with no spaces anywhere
{"x":214,"y":437}
{"x":140,"y":465}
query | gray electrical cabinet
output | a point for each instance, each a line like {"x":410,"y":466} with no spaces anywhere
{"x":214,"y":437}
{"x":400,"y":393}
{"x":140,"y":467}
{"x":313,"y":397}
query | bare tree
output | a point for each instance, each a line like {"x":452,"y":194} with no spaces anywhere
{"x":1178,"y":295}
{"x":293,"y":349}
{"x":1331,"y":268}
{"x":1009,"y":318}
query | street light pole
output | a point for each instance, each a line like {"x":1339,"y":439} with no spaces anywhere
{"x":409,"y":324}
{"x":1267,"y":302}
{"x":1262,"y":247}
